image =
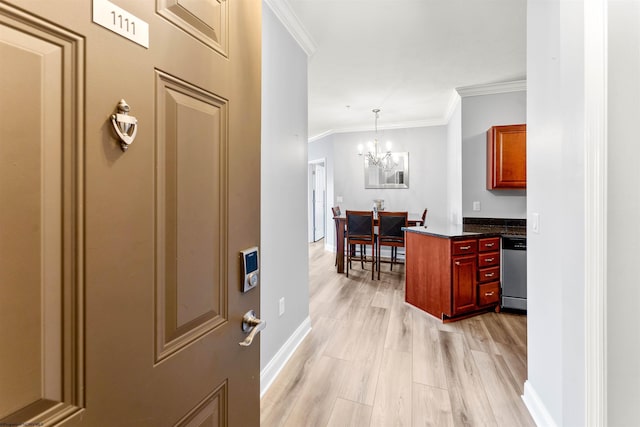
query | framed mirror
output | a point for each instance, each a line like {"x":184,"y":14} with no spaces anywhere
{"x":394,"y":174}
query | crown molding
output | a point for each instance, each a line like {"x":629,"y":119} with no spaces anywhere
{"x":282,"y":9}
{"x":492,"y":88}
{"x":321,"y":135}
{"x":400,"y":125}
{"x":454,"y":101}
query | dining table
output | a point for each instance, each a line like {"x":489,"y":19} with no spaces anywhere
{"x":412,"y":220}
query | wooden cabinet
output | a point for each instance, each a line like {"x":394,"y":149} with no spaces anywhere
{"x":452,"y":277}
{"x":507,"y":157}
{"x":489,"y":271}
{"x":463,"y":283}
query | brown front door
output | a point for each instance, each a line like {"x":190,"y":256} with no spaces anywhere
{"x":120,"y":300}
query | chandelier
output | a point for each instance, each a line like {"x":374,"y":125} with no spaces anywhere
{"x":375,"y":157}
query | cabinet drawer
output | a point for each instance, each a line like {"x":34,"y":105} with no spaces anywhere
{"x":488,"y":244}
{"x":489,"y":293}
{"x":488,"y":259}
{"x":461,"y":247}
{"x":489,"y":274}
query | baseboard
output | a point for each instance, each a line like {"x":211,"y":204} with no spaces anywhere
{"x":536,"y":408}
{"x":330,"y":247}
{"x":275,"y":365}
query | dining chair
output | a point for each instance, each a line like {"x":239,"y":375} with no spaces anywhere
{"x":390,"y":234}
{"x":424,"y":217}
{"x":360,"y":231}
{"x":336,"y":213}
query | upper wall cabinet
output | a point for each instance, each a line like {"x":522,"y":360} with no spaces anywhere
{"x":507,"y":157}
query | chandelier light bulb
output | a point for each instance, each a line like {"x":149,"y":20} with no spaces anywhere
{"x":383,"y":160}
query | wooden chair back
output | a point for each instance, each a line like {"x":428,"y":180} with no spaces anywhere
{"x":390,"y":226}
{"x":360,"y":226}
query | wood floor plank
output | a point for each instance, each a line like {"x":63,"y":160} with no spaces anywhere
{"x":384,"y":295}
{"x":318,"y":395}
{"x":431,"y":407}
{"x":469,"y":400}
{"x":370,"y":356}
{"x":515,"y":358}
{"x":508,"y":409}
{"x":296,"y":373}
{"x":500,"y":331}
{"x":399,"y":336}
{"x":392,"y":405}
{"x":359,"y":385}
{"x":350,"y":414}
{"x":477,"y":334}
{"x":427,"y":358}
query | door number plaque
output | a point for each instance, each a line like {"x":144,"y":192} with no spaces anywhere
{"x":121,"y":22}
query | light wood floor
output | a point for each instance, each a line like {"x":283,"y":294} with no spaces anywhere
{"x":373,"y":360}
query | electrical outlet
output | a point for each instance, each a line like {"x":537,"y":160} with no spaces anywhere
{"x":281,"y":307}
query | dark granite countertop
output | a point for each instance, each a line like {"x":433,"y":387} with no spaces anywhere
{"x":476,"y":227}
{"x":448,"y":231}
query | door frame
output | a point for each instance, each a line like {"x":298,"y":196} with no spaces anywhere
{"x":310,"y":199}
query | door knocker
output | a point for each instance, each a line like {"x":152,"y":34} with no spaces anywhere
{"x":126,"y":126}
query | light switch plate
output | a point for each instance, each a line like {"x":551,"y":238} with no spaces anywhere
{"x":535,"y":222}
{"x":476,"y":206}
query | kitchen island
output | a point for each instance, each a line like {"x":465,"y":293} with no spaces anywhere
{"x":452,"y":273}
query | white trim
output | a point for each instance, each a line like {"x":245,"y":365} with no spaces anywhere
{"x":536,"y":408}
{"x":320,"y":135}
{"x":282,"y":9}
{"x":310,"y":207}
{"x":595,"y":200}
{"x":493,"y":88}
{"x":278,"y":362}
{"x":400,"y":125}
{"x":454,"y":101}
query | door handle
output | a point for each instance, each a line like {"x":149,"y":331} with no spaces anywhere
{"x":252,"y":325}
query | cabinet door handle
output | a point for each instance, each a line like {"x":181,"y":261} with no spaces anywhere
{"x":489,"y":245}
{"x":465,"y":248}
{"x":489,"y":274}
{"x":489,"y":294}
{"x":489,"y":259}
{"x":457,"y":262}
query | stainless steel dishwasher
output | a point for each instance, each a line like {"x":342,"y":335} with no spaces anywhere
{"x":514,"y":272}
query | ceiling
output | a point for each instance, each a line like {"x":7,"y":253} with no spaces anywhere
{"x":405,"y":57}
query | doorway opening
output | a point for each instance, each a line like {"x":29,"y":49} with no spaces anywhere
{"x":317,"y":200}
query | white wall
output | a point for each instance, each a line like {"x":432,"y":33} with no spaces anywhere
{"x":479,"y":113}
{"x":623,"y":292}
{"x":454,"y":165}
{"x":283,"y":219}
{"x":555,"y":389}
{"x":427,"y":147}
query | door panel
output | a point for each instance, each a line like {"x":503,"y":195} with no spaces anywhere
{"x":128,"y":259}
{"x":204,"y":20}
{"x":190,"y":225}
{"x":40,"y":284}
